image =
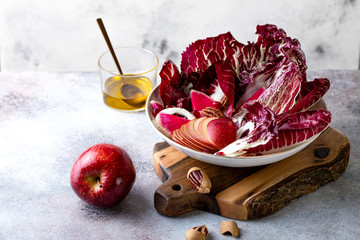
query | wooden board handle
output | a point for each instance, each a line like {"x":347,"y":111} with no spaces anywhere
{"x":175,"y":198}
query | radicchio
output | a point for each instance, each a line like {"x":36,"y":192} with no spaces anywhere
{"x":280,"y":96}
{"x":311,"y":93}
{"x":200,"y":55}
{"x":263,"y":60}
{"x":295,"y":128}
{"x":219,"y":81}
{"x":171,"y":91}
{"x":257,"y":126}
{"x":262,"y":80}
{"x":280,"y":48}
{"x":156,"y":107}
{"x":291,"y":130}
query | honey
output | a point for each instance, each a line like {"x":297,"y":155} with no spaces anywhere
{"x":127,"y":92}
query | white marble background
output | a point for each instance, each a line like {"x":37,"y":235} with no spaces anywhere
{"x":62,"y":35}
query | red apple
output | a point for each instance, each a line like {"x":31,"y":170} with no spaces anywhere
{"x":206,"y":134}
{"x":103,"y":175}
{"x":221,"y":132}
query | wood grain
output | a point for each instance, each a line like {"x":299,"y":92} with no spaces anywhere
{"x":248,"y":193}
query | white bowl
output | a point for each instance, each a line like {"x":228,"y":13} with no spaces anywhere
{"x":249,"y":161}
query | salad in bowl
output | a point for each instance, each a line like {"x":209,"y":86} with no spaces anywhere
{"x":239,"y":104}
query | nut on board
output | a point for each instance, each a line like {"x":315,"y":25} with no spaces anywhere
{"x":199,"y":180}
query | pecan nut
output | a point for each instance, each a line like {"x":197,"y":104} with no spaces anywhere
{"x":230,"y":227}
{"x":199,"y":180}
{"x":213,"y":112}
{"x":197,"y":233}
{"x":224,"y":103}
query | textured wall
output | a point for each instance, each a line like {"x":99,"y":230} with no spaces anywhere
{"x":63,"y":35}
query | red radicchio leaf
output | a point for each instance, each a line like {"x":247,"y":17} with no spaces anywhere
{"x":311,"y":93}
{"x":208,"y":82}
{"x":226,"y":79}
{"x":284,"y":87}
{"x":303,"y":120}
{"x":294,"y":129}
{"x":203,"y":53}
{"x":260,"y":61}
{"x":218,"y":80}
{"x":156,"y":107}
{"x":277,"y":44}
{"x":170,"y":86}
{"x":257,"y":126}
{"x":285,"y":131}
{"x":201,"y":56}
{"x":184,"y":102}
{"x":256,"y":65}
{"x":253,"y":64}
{"x":190,"y":82}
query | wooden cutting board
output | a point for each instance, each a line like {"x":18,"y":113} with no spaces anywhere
{"x":248,"y":193}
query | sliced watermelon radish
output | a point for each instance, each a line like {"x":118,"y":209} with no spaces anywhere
{"x":170,"y":123}
{"x":200,"y":100}
{"x":171,"y":119}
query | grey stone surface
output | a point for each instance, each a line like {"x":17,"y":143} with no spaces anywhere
{"x":48,"y":119}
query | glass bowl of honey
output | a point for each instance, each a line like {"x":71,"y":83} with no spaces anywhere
{"x":128,"y":91}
